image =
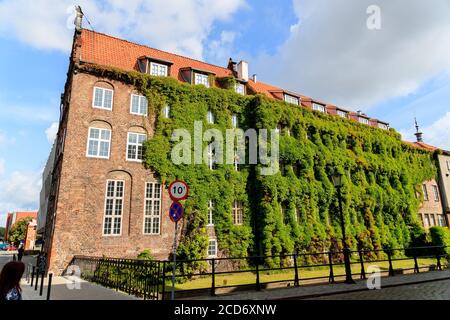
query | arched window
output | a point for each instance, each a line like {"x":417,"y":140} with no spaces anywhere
{"x":103,"y":96}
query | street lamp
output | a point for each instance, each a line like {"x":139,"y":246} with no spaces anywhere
{"x":337,"y":181}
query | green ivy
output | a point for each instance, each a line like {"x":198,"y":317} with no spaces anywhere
{"x":382,"y":175}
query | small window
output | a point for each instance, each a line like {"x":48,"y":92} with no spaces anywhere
{"x":135,"y":146}
{"x":441,"y":220}
{"x":157,"y":69}
{"x":166,"y":111}
{"x":152,"y":210}
{"x":210,"y":117}
{"x":383,"y":126}
{"x":291,"y":99}
{"x":318,"y":107}
{"x":436,"y":193}
{"x":433,"y":220}
{"x":210,"y":213}
{"x":103,"y":98}
{"x":212,"y":248}
{"x":239,"y":88}
{"x":112,"y":222}
{"x":234,"y":120}
{"x":200,"y":78}
{"x":139,"y":105}
{"x":237,"y":213}
{"x":99,"y":141}
{"x":341,"y":113}
{"x":363,"y":120}
{"x":427,"y":221}
{"x":425,"y":192}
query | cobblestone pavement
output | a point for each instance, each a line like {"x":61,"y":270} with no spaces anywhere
{"x":436,"y":290}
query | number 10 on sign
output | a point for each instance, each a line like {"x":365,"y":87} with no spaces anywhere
{"x":178,"y":190}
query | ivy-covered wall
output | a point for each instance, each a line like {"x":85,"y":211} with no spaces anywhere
{"x":382,"y":175}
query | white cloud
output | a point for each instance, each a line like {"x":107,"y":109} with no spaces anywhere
{"x":180,"y":26}
{"x":220,"y":49}
{"x":2,"y":167}
{"x":331,"y":54}
{"x":20,"y":191}
{"x":51,"y":132}
{"x":438,"y":134}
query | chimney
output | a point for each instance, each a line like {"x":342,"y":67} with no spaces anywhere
{"x":78,"y":19}
{"x":242,"y":70}
{"x":418,"y":134}
{"x":254,"y":78}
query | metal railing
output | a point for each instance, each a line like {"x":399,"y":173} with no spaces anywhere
{"x":151,"y":279}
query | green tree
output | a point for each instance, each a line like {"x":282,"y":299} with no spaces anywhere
{"x":19,"y":230}
{"x":2,"y":232}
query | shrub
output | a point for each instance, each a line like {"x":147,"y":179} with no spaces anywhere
{"x":146,"y":255}
{"x":440,"y":237}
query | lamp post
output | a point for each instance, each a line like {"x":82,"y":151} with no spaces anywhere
{"x":337,"y":181}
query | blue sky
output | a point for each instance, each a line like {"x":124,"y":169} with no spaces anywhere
{"x":318,"y":48}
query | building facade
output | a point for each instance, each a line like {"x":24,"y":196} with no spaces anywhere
{"x":99,"y":200}
{"x":444,"y":180}
{"x":45,"y":191}
{"x":14,"y":217}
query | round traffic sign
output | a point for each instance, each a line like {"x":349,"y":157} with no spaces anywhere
{"x":178,"y":190}
{"x":175,"y":211}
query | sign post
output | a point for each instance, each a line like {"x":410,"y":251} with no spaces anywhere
{"x":178,"y":190}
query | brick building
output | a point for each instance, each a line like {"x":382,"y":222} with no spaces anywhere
{"x":102,"y":201}
{"x":30,"y":236}
{"x":14,"y":217}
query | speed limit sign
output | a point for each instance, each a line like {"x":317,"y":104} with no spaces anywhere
{"x":178,"y":190}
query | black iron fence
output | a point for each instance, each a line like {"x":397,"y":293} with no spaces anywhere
{"x":152,"y":279}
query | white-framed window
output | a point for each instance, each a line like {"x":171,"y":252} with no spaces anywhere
{"x":363,"y":120}
{"x":200,"y":78}
{"x":425,"y":192}
{"x":103,"y":98}
{"x":158,"y":69}
{"x":441,"y":220}
{"x":152,"y":210}
{"x":234,"y":120}
{"x":291,"y":99}
{"x":212,"y":248}
{"x":210,"y":117}
{"x":383,"y":126}
{"x":112,"y":222}
{"x":341,"y":113}
{"x":239,"y":88}
{"x":139,"y":105}
{"x":210,"y":213}
{"x":238,"y":212}
{"x":99,"y":141}
{"x":436,"y":193}
{"x":433,"y":220}
{"x":135,"y":146}
{"x":166,"y":111}
{"x":426,"y":221}
{"x":211,"y":157}
{"x":318,"y":107}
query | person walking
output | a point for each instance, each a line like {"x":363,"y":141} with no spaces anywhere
{"x":20,"y":252}
{"x":10,"y":281}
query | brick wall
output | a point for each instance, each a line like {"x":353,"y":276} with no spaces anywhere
{"x":430,"y":209}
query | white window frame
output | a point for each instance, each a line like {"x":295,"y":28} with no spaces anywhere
{"x":103,"y":98}
{"x":211,"y":206}
{"x":215,"y":248}
{"x":425,"y":192}
{"x":137,"y":145}
{"x":239,"y":88}
{"x":436,"y":193}
{"x":113,"y":216}
{"x":166,"y":111}
{"x":159,"y":66}
{"x":150,"y":204}
{"x":363,"y":120}
{"x":383,"y":126}
{"x":141,"y":98}
{"x":234,"y":120}
{"x":291,"y":99}
{"x":99,"y":140}
{"x":210,"y":117}
{"x":200,"y":78}
{"x":318,"y":107}
{"x":342,"y":114}
{"x":238,"y":213}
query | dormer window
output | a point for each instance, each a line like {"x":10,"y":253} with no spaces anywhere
{"x":341,"y":113}
{"x":158,"y":69}
{"x":200,"y":78}
{"x":363,"y":120}
{"x":291,"y":99}
{"x":239,"y":88}
{"x":318,"y":107}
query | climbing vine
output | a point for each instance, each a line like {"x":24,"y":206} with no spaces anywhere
{"x":296,"y":208}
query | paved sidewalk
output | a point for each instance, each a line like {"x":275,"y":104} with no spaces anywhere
{"x":315,"y":291}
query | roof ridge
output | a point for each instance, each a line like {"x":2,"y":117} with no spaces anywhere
{"x":146,"y":46}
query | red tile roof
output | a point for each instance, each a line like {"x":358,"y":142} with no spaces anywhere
{"x":422,"y":145}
